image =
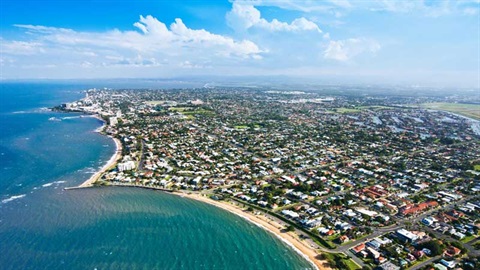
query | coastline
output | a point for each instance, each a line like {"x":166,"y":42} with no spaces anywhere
{"x":262,"y":221}
{"x":110,"y":163}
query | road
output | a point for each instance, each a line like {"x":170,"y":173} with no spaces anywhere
{"x":425,"y":263}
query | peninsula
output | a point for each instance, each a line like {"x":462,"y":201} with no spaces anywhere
{"x":349,"y":181}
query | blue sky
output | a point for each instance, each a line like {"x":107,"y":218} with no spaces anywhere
{"x":424,"y":42}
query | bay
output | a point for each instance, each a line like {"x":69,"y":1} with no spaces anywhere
{"x":42,"y":226}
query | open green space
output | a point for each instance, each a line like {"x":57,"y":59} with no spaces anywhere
{"x":341,"y":261}
{"x":198,"y":111}
{"x":191,"y":111}
{"x":358,"y":109}
{"x":375,"y":108}
{"x":469,"y":110}
{"x":468,"y":238}
{"x":351,"y":265}
{"x":155,"y":102}
{"x":477,"y":168}
{"x":178,"y":109}
{"x":347,"y":110}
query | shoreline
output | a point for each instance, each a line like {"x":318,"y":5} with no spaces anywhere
{"x":111,"y":162}
{"x":271,"y":226}
{"x":262,"y":221}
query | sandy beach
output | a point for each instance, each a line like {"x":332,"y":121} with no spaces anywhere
{"x":290,"y":238}
{"x":99,"y":129}
{"x":111,"y":162}
{"x":261,"y":220}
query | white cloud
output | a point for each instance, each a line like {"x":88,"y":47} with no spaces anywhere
{"x":345,"y":50}
{"x":43,"y":29}
{"x":20,"y":47}
{"x":190,"y":65}
{"x":154,"y":38}
{"x":243,"y":17}
{"x":150,"y":47}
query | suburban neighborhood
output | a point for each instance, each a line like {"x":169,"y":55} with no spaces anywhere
{"x":370,"y":181}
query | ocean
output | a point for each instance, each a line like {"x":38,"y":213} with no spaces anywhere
{"x":42,"y":226}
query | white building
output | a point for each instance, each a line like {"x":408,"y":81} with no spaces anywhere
{"x":126,"y":166}
{"x":407,"y":235}
{"x":113,"y":121}
{"x":290,"y":214}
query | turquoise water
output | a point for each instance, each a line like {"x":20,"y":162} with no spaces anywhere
{"x":42,"y":226}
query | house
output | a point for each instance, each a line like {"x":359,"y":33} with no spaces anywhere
{"x":330,"y":232}
{"x":381,"y":260}
{"x":126,"y":166}
{"x":439,"y":267}
{"x":415,"y":209}
{"x":428,"y":221}
{"x":263,"y":203}
{"x":383,"y":241}
{"x":343,"y":239}
{"x":388,"y":266}
{"x":411,"y":258}
{"x":374,"y":244}
{"x":427,"y":251}
{"x":359,"y":248}
{"x":362,"y":254}
{"x":375,"y":254}
{"x":448,"y":264}
{"x":406,"y":236}
{"x":290,"y":214}
{"x":418,"y":254}
{"x":452,"y":251}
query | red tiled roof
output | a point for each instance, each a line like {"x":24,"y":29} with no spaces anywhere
{"x":359,"y":248}
{"x":420,"y":207}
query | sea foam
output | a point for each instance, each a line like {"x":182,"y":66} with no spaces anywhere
{"x":12,"y":198}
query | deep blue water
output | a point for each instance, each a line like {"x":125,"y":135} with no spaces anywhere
{"x":42,"y":226}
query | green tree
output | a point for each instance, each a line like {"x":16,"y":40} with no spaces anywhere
{"x":434,"y":246}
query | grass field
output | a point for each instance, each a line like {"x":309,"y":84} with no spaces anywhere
{"x":346,"y":110}
{"x":349,"y":263}
{"x":469,"y":110}
{"x":468,"y":238}
{"x":190,"y":112}
{"x":359,"y":109}
{"x":198,"y":111}
{"x":178,"y":109}
{"x":157,"y":102}
{"x":375,"y":108}
{"x":476,"y":168}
